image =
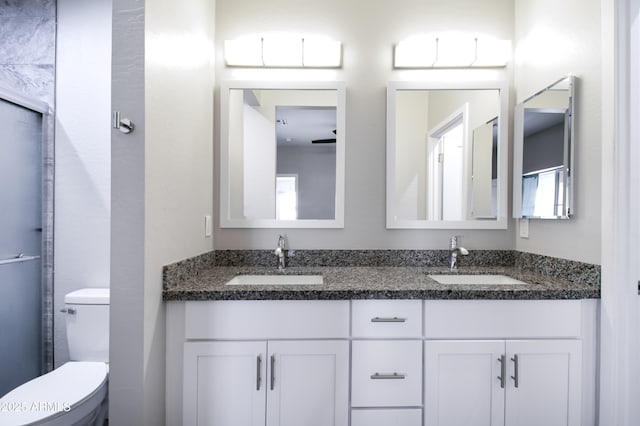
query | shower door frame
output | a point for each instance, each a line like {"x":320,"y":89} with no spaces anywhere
{"x":47,"y":194}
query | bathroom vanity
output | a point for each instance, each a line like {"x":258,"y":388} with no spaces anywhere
{"x":380,"y":346}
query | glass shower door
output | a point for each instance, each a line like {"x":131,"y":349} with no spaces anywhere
{"x":20,"y":245}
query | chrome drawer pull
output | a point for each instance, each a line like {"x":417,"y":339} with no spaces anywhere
{"x":503,"y":368}
{"x":515,"y":377}
{"x":388,"y":319}
{"x":258,"y":372}
{"x":273,"y":372}
{"x":378,"y":376}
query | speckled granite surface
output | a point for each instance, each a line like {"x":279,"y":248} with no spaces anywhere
{"x":307,"y":258}
{"x":204,"y":278}
{"x":577,"y":272}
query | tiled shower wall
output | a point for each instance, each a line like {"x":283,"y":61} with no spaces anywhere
{"x":27,"y":47}
{"x":27,"y":66}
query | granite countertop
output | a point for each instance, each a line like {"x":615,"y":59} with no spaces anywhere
{"x":375,"y":282}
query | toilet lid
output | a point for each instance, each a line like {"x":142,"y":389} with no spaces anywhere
{"x":52,"y":394}
{"x":88,"y":296}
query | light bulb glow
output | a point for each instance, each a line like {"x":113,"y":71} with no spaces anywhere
{"x":283,"y":51}
{"x":451,"y":52}
{"x":246,"y":51}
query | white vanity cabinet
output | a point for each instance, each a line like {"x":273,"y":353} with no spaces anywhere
{"x":549,"y":385}
{"x":381,"y":363}
{"x":291,"y":366}
{"x":512,"y":363}
{"x":386,"y":363}
{"x":466,"y":383}
{"x":286,"y":382}
{"x":224,"y":383}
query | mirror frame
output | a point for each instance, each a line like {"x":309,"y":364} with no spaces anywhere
{"x":518,"y":147}
{"x":225,"y":220}
{"x":500,"y":222}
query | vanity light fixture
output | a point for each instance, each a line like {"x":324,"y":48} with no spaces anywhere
{"x":283,"y":51}
{"x":451,"y":52}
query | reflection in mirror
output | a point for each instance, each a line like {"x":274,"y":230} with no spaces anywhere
{"x":446,"y":156}
{"x":543,"y":153}
{"x":282,"y":155}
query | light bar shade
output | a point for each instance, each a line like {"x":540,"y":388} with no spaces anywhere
{"x":415,"y":52}
{"x":283,"y":51}
{"x":451,"y":52}
{"x":492,"y":53}
{"x":455,"y":52}
{"x":244,"y":52}
{"x":321,"y":52}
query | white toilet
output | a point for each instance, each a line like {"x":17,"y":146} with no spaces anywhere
{"x":76,"y":392}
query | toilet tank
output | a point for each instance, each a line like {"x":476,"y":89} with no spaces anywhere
{"x":87,"y":315}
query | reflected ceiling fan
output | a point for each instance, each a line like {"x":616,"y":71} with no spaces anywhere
{"x":325,"y":140}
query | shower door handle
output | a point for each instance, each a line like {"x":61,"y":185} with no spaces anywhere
{"x":19,"y":258}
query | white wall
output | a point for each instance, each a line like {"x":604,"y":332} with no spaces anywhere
{"x":620,"y":313}
{"x":315,"y":167}
{"x":82,"y":154}
{"x":552,"y":40}
{"x":544,"y":149}
{"x":163,"y":80}
{"x":412,"y":127}
{"x":368,"y":32}
{"x":259,"y":166}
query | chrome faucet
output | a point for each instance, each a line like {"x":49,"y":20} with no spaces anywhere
{"x":281,"y":252}
{"x":454,"y":251}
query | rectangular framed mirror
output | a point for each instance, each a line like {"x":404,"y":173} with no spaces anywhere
{"x":282,"y":154}
{"x":543,"y":153}
{"x":447,"y":153}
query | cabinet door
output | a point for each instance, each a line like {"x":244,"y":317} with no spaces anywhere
{"x":224,"y":383}
{"x":308,"y":383}
{"x":462,"y":383}
{"x":548,"y":391}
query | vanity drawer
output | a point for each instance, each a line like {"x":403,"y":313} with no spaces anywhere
{"x":502,"y":319}
{"x":387,"y":417}
{"x":387,"y":318}
{"x":386,"y":373}
{"x":267,"y":319}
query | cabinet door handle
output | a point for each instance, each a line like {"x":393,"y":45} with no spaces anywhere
{"x":273,"y":371}
{"x":388,"y":319}
{"x":503,"y":368}
{"x":258,"y":372}
{"x":515,"y":369}
{"x":387,"y":376}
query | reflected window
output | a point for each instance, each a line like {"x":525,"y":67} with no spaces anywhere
{"x":286,"y":197}
{"x":543,"y":194}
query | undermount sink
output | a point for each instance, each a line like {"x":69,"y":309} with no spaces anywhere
{"x":461,"y":279}
{"x":264,"y":279}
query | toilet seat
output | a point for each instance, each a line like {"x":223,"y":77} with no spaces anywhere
{"x":63,"y":396}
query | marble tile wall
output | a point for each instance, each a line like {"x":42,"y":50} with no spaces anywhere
{"x":27,"y":66}
{"x":27,"y":47}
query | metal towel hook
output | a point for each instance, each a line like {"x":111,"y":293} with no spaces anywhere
{"x":123,"y":124}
